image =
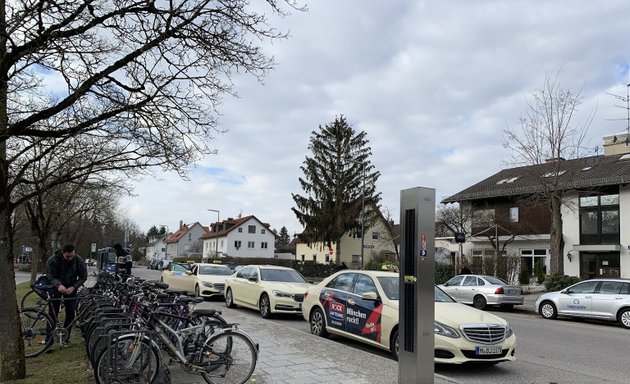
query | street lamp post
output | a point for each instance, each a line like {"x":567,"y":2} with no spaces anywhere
{"x":165,"y":243}
{"x":362,"y":214}
{"x":216,"y":237}
{"x":362,"y":209}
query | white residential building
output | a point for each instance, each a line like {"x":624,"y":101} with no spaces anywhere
{"x":242,"y":237}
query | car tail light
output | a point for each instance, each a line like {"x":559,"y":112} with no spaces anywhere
{"x":499,"y":291}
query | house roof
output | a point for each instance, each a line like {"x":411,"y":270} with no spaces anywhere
{"x":232,"y":224}
{"x":174,"y":238}
{"x":581,"y":173}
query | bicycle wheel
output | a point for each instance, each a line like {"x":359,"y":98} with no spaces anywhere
{"x":128,"y":359}
{"x":37,"y":331}
{"x":32,"y":300}
{"x":228,"y":357}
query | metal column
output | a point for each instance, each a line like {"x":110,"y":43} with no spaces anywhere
{"x":417,"y":282}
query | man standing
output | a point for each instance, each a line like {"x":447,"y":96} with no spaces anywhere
{"x":67,"y":272}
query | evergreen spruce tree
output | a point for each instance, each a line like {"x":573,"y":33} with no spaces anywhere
{"x":283,"y":239}
{"x":338,"y":180}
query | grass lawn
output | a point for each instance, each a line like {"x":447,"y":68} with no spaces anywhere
{"x":63,"y":365}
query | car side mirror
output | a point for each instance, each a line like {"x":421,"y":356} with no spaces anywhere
{"x":446,"y":284}
{"x":253,"y":279}
{"x":372,"y":296}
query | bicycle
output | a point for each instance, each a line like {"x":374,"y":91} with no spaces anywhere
{"x":39,"y":329}
{"x":227,"y":355}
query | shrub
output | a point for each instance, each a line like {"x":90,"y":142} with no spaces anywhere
{"x":557,"y":282}
{"x":443,"y":272}
{"x":539,"y":272}
{"x":373,"y":265}
{"x":523,"y":277}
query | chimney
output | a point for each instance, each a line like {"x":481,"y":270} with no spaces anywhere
{"x":181,"y":224}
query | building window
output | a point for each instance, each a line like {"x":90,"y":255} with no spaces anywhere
{"x":237,"y":244}
{"x":240,"y":229}
{"x":315,"y":258}
{"x":302,"y":256}
{"x":529,"y":258}
{"x":262,"y":231}
{"x":356,"y":259}
{"x":221,"y":243}
{"x":375,"y":235}
{"x":599,"y":219}
{"x":263,"y":245}
{"x":327,"y":258}
{"x":251,"y":229}
{"x":514,"y":214}
{"x":251,"y":244}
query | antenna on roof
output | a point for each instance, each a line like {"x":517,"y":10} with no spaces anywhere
{"x":626,"y":100}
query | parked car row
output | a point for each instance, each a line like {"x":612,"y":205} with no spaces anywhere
{"x":363,"y":305}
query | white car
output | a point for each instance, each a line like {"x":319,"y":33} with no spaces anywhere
{"x":602,"y":298}
{"x":363,"y":305}
{"x":267,"y":288}
{"x":201,"y":279}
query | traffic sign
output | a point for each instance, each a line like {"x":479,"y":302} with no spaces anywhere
{"x":330,"y":251}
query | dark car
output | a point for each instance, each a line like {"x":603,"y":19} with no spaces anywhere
{"x":154,"y":264}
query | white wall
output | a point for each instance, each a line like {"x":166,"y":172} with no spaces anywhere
{"x":624,"y":223}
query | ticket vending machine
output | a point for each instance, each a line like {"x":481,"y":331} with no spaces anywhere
{"x":417,"y":286}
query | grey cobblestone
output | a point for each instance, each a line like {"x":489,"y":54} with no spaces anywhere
{"x":290,"y":356}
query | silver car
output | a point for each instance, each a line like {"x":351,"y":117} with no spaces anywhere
{"x":483,"y":290}
{"x":605,"y":299}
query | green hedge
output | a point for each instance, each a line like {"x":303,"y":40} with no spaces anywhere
{"x":312,"y":269}
{"x":559,"y":282}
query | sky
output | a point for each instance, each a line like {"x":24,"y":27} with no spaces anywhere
{"x":434,"y":84}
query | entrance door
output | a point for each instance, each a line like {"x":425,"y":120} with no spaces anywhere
{"x":605,"y":264}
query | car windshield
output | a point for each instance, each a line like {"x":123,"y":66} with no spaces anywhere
{"x":442,"y":297}
{"x":214,"y":270}
{"x":390,"y":286}
{"x":495,"y":280}
{"x":284,"y":275}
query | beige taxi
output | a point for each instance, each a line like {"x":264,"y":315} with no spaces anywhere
{"x":200,"y":279}
{"x":363,"y":305}
{"x":267,"y":288}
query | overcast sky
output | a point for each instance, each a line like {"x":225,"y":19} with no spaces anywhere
{"x":433,"y":83}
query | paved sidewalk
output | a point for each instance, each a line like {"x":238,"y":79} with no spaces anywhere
{"x":290,"y":356}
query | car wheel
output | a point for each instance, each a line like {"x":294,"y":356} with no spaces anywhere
{"x":197,"y":293}
{"x":624,"y":317}
{"x":229,"y":300}
{"x":318,"y":323}
{"x":265,"y":306}
{"x":479,"y":302}
{"x":548,"y":310}
{"x":394,"y":345}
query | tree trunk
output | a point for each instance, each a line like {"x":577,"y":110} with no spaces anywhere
{"x":338,"y":252}
{"x":557,"y":241}
{"x":12,"y":361}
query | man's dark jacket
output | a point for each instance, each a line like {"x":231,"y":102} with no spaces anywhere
{"x":68,"y":273}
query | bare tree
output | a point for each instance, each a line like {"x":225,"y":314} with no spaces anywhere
{"x":455,"y":219}
{"x":548,"y":134}
{"x":141,"y":83}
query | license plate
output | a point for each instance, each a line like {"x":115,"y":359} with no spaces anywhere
{"x":488,"y":350}
{"x":512,"y":292}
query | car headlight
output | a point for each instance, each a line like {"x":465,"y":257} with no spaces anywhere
{"x":445,"y":330}
{"x":207,"y":284}
{"x":508,"y":330}
{"x":282,"y":294}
